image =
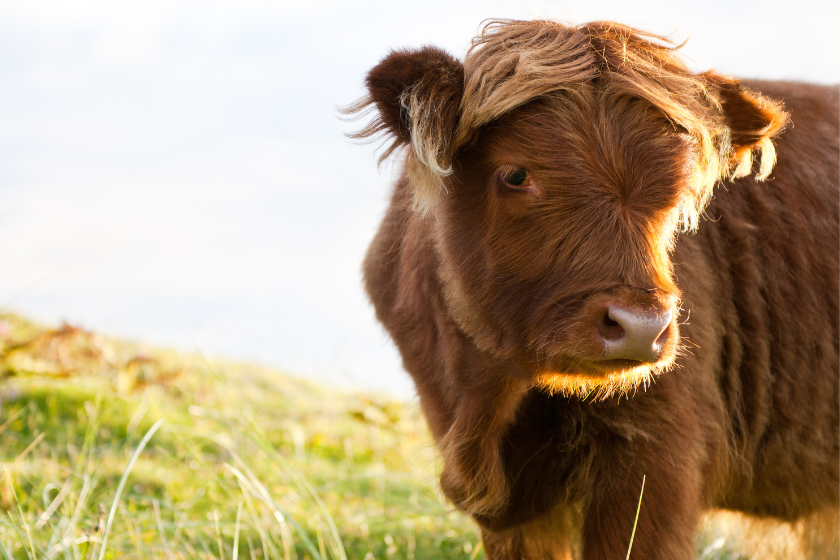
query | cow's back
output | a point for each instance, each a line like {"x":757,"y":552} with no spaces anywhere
{"x":760,"y":284}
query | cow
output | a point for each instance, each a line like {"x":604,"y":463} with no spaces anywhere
{"x":602,"y":270}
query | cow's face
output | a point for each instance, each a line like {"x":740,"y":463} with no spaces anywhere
{"x":554,"y":168}
{"x":555,"y":237}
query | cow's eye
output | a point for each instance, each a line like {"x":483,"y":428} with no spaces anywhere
{"x":517,"y":178}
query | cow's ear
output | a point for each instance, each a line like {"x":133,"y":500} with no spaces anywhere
{"x":416,"y":98}
{"x":753,"y":120}
{"x":409,"y":86}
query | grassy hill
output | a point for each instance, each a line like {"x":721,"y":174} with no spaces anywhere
{"x":109,"y":449}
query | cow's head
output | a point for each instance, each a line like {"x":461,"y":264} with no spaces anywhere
{"x":556,"y":166}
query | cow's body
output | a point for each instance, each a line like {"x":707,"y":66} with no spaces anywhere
{"x":762,"y":270}
{"x":746,"y":418}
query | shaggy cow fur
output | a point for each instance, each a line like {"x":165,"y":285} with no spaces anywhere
{"x":559,"y":180}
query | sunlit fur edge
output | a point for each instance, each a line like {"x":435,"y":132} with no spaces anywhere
{"x":625,"y":383}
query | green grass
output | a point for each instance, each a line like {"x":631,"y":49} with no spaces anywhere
{"x":113,"y":450}
{"x":249,"y":463}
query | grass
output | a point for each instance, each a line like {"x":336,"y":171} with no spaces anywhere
{"x":109,"y":449}
{"x":248,"y":463}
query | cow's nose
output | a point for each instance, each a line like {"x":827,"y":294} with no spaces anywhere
{"x":634,"y":334}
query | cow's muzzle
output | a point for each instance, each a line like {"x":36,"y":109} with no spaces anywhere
{"x":629,"y":333}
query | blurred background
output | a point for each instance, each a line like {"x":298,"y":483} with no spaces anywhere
{"x":175,"y":172}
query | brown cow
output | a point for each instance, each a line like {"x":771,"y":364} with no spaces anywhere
{"x":580,"y":310}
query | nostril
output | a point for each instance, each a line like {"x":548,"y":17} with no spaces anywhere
{"x":610,"y":329}
{"x":634,"y":334}
{"x":662,"y":339}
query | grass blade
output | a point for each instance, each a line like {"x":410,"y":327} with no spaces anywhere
{"x":235,"y":554}
{"x":3,"y":550}
{"x":636,"y":521}
{"x":123,"y":480}
{"x":11,"y":419}
{"x":305,"y":490}
{"x":19,"y":534}
{"x":8,"y":479}
{"x":161,"y":532}
{"x":262,"y":494}
{"x":219,"y":535}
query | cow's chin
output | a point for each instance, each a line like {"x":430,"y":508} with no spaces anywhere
{"x":600,"y":379}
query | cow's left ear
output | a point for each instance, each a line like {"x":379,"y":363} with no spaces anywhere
{"x":753,"y":120}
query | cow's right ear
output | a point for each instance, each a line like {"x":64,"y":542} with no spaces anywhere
{"x":411,"y":85}
{"x":417,"y":98}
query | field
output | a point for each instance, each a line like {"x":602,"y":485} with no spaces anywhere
{"x":110,"y":449}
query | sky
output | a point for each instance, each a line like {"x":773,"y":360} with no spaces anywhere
{"x":177,"y":173}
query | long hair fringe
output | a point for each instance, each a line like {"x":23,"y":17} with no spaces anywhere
{"x":513,"y":62}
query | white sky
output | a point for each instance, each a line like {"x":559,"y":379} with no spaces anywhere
{"x":175,"y":171}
